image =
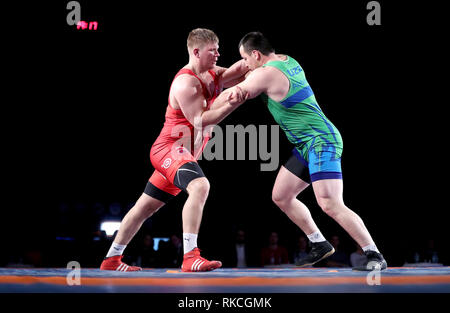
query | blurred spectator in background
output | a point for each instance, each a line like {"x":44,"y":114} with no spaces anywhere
{"x":358,"y":258}
{"x":20,"y":261}
{"x":430,"y":253}
{"x":146,"y":254}
{"x":339,"y":258}
{"x":34,"y":257}
{"x":301,"y":249}
{"x":171,"y":253}
{"x":424,"y":252}
{"x":85,"y":247}
{"x":239,"y":254}
{"x":274,"y":254}
{"x":240,"y":250}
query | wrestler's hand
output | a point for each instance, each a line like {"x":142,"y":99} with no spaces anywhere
{"x":237,"y":96}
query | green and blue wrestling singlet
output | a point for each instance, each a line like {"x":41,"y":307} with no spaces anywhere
{"x":318,"y":143}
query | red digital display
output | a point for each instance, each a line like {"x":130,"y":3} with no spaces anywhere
{"x":82,"y":25}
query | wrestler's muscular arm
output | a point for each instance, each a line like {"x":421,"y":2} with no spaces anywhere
{"x":258,"y":81}
{"x":233,"y":75}
{"x":188,"y":94}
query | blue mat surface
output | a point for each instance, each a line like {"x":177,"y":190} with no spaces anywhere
{"x":261,"y":280}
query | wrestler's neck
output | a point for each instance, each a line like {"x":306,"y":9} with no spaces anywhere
{"x":272,"y":57}
{"x":198,"y":68}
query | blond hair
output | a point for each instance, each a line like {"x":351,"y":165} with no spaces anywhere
{"x":199,"y":37}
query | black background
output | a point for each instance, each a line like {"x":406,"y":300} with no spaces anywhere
{"x":90,"y":105}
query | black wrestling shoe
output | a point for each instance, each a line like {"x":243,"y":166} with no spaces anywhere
{"x":375,"y":261}
{"x":319,"y":251}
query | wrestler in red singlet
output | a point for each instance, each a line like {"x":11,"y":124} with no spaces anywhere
{"x":169,"y":152}
{"x":177,"y":149}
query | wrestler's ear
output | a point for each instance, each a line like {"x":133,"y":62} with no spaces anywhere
{"x":196,"y":52}
{"x":256,"y":55}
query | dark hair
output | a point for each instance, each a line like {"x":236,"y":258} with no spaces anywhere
{"x":256,"y":41}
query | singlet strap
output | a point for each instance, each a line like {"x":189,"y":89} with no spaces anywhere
{"x":205,"y":89}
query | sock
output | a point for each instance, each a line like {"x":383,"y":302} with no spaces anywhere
{"x":116,"y":250}
{"x":190,"y":242}
{"x":316,"y":237}
{"x":371,"y":248}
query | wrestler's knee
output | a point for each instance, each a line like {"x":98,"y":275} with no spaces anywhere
{"x":199,"y":187}
{"x":281,"y":199}
{"x":331,"y":206}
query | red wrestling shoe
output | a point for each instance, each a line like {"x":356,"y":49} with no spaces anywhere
{"x":193,"y":262}
{"x":115,"y":264}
